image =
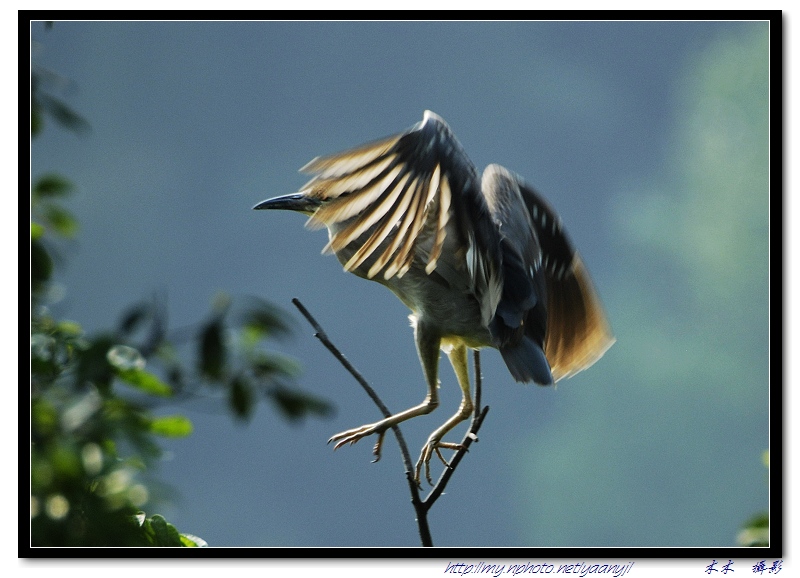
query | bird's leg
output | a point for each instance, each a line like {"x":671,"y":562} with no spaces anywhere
{"x":428,"y":349}
{"x":458,"y":359}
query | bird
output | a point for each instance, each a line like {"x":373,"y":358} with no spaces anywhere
{"x":480,"y":260}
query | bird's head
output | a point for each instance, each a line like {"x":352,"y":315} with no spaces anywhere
{"x":298,"y":202}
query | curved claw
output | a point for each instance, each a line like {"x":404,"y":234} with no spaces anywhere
{"x":431,"y":447}
{"x":351,"y":436}
{"x":376,"y":449}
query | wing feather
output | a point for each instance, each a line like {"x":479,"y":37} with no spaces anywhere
{"x":336,"y":165}
{"x":343,"y":208}
{"x":400,"y":235}
{"x":359,"y":185}
{"x":578,"y":332}
{"x":406,"y":255}
{"x":383,"y":229}
{"x":392,"y":198}
{"x":396,"y":188}
{"x":441,"y":224}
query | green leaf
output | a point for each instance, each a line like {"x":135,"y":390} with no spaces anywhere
{"x":758,"y":521}
{"x":64,"y":115}
{"x":93,"y":366}
{"x":44,"y":418}
{"x":267,"y":365}
{"x":158,"y":532}
{"x":62,"y":221}
{"x":69,"y":328}
{"x":192,"y":541}
{"x":241,"y":397}
{"x":295,"y":404}
{"x":41,"y":265}
{"x":36,"y":118}
{"x":172,"y":426}
{"x":52,"y":185}
{"x":144,"y":381}
{"x":212,"y":350}
{"x":755,"y":532}
{"x":163,"y":533}
{"x":134,"y":317}
{"x":65,"y":461}
{"x":36,"y":231}
{"x":266,"y":319}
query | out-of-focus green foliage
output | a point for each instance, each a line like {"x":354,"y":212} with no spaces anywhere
{"x":93,"y":427}
{"x":44,"y":103}
{"x":755,"y":531}
{"x":89,"y":442}
{"x":158,"y":532}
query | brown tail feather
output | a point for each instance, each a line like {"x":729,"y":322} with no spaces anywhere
{"x":578,"y":333}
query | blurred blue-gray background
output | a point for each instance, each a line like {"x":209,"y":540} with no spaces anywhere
{"x":649,"y":138}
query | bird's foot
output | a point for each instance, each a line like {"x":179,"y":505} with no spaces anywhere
{"x":432,"y":446}
{"x":351,"y":436}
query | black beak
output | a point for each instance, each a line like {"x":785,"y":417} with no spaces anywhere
{"x":294,"y":202}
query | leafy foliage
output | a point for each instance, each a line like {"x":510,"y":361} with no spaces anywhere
{"x":44,"y":103}
{"x":755,"y":532}
{"x":93,"y":427}
{"x":89,"y":443}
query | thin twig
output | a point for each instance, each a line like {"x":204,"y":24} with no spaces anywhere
{"x":476,"y":363}
{"x":469,"y":437}
{"x":421,"y":507}
{"x":422,"y":520}
{"x":323,"y":337}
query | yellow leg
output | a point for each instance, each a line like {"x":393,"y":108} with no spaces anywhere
{"x":458,"y":359}
{"x":428,"y":349}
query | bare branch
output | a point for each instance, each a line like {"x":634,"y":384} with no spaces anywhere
{"x":420,"y":507}
{"x":323,"y":337}
{"x":476,"y":364}
{"x":469,"y":437}
{"x":422,"y":520}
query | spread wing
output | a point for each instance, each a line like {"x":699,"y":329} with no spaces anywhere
{"x":392,"y":188}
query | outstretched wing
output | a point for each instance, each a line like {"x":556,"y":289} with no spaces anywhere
{"x":391,"y":189}
{"x":578,"y":333}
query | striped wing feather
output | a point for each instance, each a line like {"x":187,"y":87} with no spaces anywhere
{"x":392,"y":187}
